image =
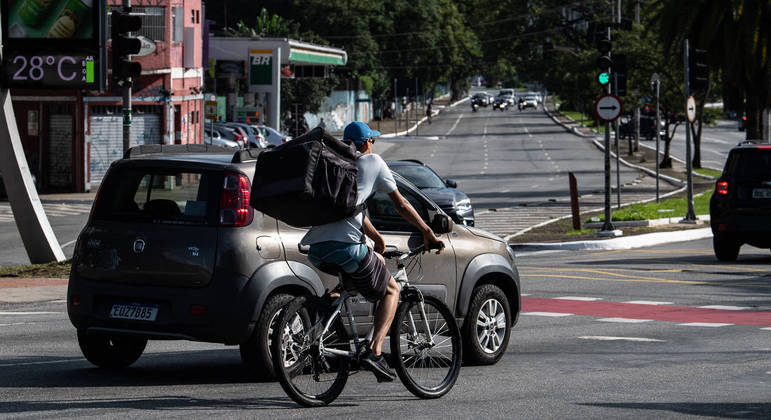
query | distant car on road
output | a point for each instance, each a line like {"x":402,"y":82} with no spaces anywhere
{"x":481,"y":99}
{"x":445,"y":193}
{"x":531,"y":102}
{"x":740,"y":207}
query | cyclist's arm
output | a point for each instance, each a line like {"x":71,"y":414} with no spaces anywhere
{"x":405,"y":209}
{"x":373,"y":234}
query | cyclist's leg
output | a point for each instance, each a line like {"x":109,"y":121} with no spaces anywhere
{"x":384,"y":315}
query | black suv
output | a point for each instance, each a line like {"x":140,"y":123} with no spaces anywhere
{"x":172,"y":250}
{"x":740,"y":207}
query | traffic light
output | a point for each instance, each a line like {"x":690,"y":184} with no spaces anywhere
{"x":619,"y":71}
{"x":698,"y":69}
{"x":123,"y":45}
{"x":603,"y":78}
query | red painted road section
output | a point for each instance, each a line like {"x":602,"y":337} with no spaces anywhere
{"x":653,"y":312}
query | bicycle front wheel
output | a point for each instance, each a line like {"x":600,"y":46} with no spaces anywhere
{"x":309,"y":374}
{"x":426,"y":350}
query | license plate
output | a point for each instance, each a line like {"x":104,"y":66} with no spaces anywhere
{"x":134,"y":311}
{"x":761,"y":193}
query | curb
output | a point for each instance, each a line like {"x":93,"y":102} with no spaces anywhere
{"x":631,"y":242}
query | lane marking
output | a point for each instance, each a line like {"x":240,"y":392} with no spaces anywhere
{"x":625,"y":320}
{"x":764,"y":328}
{"x":705,"y":324}
{"x":555,"y":314}
{"x":724,"y":307}
{"x":610,"y":338}
{"x":49,"y":362}
{"x":649,"y":302}
{"x":15,"y":323}
{"x":31,"y":313}
{"x":586,"y":299}
{"x":455,"y":125}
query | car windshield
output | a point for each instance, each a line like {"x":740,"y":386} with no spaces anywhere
{"x":158,"y":196}
{"x":419,"y":175}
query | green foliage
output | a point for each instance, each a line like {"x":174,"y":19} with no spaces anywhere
{"x":673,"y":207}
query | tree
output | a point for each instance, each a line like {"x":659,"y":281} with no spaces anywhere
{"x":738,"y":37}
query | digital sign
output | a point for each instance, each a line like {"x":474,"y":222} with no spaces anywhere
{"x":54,"y":44}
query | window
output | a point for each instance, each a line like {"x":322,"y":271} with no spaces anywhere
{"x":158,"y":196}
{"x":420,"y":175}
{"x":153,"y":22}
{"x":384,"y":216}
{"x":177,"y":24}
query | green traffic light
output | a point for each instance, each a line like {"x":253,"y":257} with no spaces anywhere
{"x":603,"y":78}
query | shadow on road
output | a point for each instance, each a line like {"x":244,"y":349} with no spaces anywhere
{"x":729,"y":410}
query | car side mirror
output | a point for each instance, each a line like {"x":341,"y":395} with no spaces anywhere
{"x":451,"y":183}
{"x":441,"y":223}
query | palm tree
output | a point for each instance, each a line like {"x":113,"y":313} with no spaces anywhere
{"x":737,"y":36}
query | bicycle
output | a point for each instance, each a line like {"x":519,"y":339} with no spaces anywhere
{"x":313,"y":353}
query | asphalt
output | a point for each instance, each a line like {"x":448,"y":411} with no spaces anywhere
{"x":14,"y":290}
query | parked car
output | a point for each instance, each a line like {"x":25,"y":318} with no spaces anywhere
{"x":740,"y":207}
{"x":231,"y":133}
{"x":647,"y":128}
{"x":172,"y":250}
{"x":214,"y":138}
{"x":272,"y":136}
{"x":443,"y":192}
{"x":254,"y":137}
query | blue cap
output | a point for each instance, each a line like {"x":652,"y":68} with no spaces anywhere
{"x":359,"y":132}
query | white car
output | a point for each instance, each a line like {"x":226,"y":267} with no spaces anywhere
{"x":272,"y":136}
{"x":531,"y":102}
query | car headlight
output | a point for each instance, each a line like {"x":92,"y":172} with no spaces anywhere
{"x":463,"y":205}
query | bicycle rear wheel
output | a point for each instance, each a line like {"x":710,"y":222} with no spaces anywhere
{"x":308,"y":374}
{"x":426,"y":352}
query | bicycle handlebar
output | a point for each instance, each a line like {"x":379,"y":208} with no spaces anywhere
{"x":414,"y":251}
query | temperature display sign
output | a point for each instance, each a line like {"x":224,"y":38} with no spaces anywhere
{"x":73,"y":70}
{"x":54,"y":44}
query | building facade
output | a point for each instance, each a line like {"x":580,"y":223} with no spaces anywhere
{"x":70,"y":138}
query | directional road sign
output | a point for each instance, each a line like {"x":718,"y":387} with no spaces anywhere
{"x":608,"y":108}
{"x":690,"y":109}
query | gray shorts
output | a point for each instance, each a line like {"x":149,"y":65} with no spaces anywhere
{"x":370,"y":278}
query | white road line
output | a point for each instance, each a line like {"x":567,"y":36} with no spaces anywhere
{"x":14,"y":323}
{"x":528,"y":133}
{"x":624,"y":320}
{"x":610,"y":338}
{"x":454,"y":125}
{"x":30,"y":313}
{"x":764,"y":328}
{"x":586,"y":299}
{"x":725,"y":307}
{"x":704,"y":324}
{"x":546,"y":314}
{"x":49,"y":362}
{"x":648,"y":302}
{"x":75,"y":240}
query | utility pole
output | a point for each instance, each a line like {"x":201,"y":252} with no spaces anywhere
{"x":396,"y":120}
{"x":656,"y":81}
{"x":607,"y":227}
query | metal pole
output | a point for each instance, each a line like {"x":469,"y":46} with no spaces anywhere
{"x":126,"y":96}
{"x":607,"y":227}
{"x":618,"y":171}
{"x":658,"y":136}
{"x":417,"y":114}
{"x":396,"y":120}
{"x":690,"y":216}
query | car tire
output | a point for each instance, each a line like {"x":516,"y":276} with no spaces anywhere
{"x":112,"y":352}
{"x":486,"y":344}
{"x":725,"y":247}
{"x":255,"y":353}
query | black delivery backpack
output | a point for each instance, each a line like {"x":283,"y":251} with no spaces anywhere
{"x":307,"y":181}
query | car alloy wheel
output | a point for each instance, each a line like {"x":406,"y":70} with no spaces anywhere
{"x":491,"y":326}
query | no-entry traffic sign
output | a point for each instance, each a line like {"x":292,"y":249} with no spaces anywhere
{"x":608,"y":108}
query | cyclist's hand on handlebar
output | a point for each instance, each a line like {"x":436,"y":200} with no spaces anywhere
{"x":430,"y":241}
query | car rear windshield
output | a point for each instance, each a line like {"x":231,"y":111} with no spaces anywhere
{"x":421,"y":176}
{"x":159,"y":196}
{"x":750,"y":164}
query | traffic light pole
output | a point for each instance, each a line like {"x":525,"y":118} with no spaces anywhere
{"x":126,"y":97}
{"x":690,"y":216}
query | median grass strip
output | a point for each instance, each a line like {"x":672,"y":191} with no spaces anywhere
{"x":708,"y":172}
{"x":672,"y":207}
{"x":47,"y":270}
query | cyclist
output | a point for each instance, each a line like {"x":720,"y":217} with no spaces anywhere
{"x":341,"y":243}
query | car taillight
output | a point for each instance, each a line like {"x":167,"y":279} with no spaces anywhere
{"x":744,"y":118}
{"x":234,"y":203}
{"x":284,"y":140}
{"x":722,"y":188}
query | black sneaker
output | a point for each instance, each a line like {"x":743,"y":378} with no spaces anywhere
{"x":377,"y":365}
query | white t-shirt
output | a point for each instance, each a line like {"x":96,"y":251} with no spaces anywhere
{"x":373,"y":176}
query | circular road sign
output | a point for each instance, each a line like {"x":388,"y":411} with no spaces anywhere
{"x":608,"y":108}
{"x":690,"y":109}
